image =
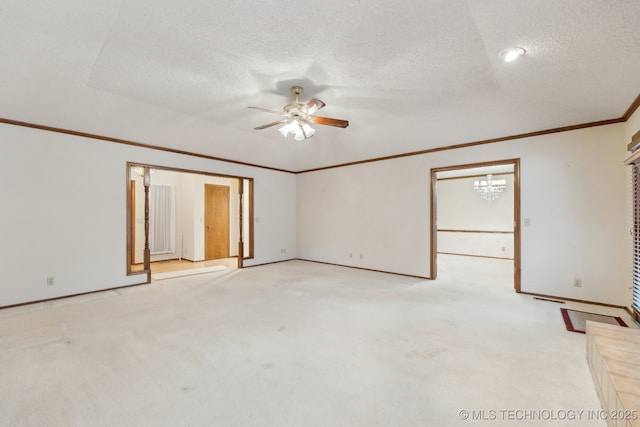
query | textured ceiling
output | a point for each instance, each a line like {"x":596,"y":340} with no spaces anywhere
{"x":408,"y":75}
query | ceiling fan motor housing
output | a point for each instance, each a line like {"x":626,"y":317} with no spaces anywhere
{"x":296,"y":111}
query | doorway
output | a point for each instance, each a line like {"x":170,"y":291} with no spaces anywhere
{"x":216,"y":221}
{"x":229,"y":215}
{"x":475,"y":229}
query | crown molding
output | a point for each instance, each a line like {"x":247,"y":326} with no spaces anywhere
{"x":626,"y":116}
{"x":473,"y":144}
{"x":133,"y":143}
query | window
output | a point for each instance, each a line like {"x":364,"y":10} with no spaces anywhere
{"x":636,"y":239}
{"x":634,"y":162}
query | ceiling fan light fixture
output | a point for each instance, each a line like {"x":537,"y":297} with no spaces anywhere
{"x":284,"y":130}
{"x":299,"y":129}
{"x":299,"y":136}
{"x":308,"y":130}
{"x":512,"y":53}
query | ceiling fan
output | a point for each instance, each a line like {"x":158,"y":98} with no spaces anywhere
{"x":297,"y":116}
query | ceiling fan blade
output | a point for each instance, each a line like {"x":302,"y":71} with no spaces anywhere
{"x":267,"y":110}
{"x":330,"y":122}
{"x":314,"y":105}
{"x":268,"y":125}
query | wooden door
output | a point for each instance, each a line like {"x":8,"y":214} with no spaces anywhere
{"x":216,"y":221}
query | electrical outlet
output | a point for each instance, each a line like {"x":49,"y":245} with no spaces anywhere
{"x":504,"y":249}
{"x":361,"y":256}
{"x":577,"y":283}
{"x":50,"y":281}
{"x":527,"y":222}
{"x":350,"y":254}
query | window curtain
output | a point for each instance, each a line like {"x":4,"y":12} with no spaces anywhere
{"x":162,"y":219}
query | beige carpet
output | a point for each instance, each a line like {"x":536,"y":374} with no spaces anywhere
{"x":294,"y":344}
{"x":189,"y":272}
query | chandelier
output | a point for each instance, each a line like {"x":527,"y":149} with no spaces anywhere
{"x":491,"y":188}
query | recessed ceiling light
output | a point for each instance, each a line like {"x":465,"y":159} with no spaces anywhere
{"x":512,"y":53}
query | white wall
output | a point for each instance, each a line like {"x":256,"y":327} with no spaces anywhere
{"x":374,"y":210}
{"x":63,"y":211}
{"x":460,"y":208}
{"x":64,"y":197}
{"x":189,"y":216}
{"x":573,"y":190}
{"x":477,"y":244}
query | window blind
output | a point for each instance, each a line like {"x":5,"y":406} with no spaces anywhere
{"x":636,"y":237}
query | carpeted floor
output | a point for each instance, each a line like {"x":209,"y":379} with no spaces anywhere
{"x":295,"y":344}
{"x":190,"y":272}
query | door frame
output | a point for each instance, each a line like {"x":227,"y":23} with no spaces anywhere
{"x":246,"y":232}
{"x":516,"y":214}
{"x":132,"y":219}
